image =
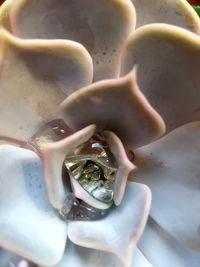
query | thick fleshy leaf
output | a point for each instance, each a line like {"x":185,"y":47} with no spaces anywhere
{"x":123,"y":163}
{"x":11,"y":141}
{"x":168,"y":61}
{"x":36,"y":75}
{"x":175,"y":12}
{"x":163,"y":251}
{"x":120,"y":231}
{"x":101,"y":26}
{"x":77,"y":256}
{"x":53,"y":155}
{"x":29,"y":225}
{"x":116,"y":105}
{"x":170,"y":167}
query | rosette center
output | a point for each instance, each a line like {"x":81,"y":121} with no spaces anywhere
{"x":93,"y":166}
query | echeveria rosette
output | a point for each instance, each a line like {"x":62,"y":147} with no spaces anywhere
{"x":165,"y":56}
{"x":40,"y":64}
{"x":25,"y":168}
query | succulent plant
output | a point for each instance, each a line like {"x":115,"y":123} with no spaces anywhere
{"x":99,"y":111}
